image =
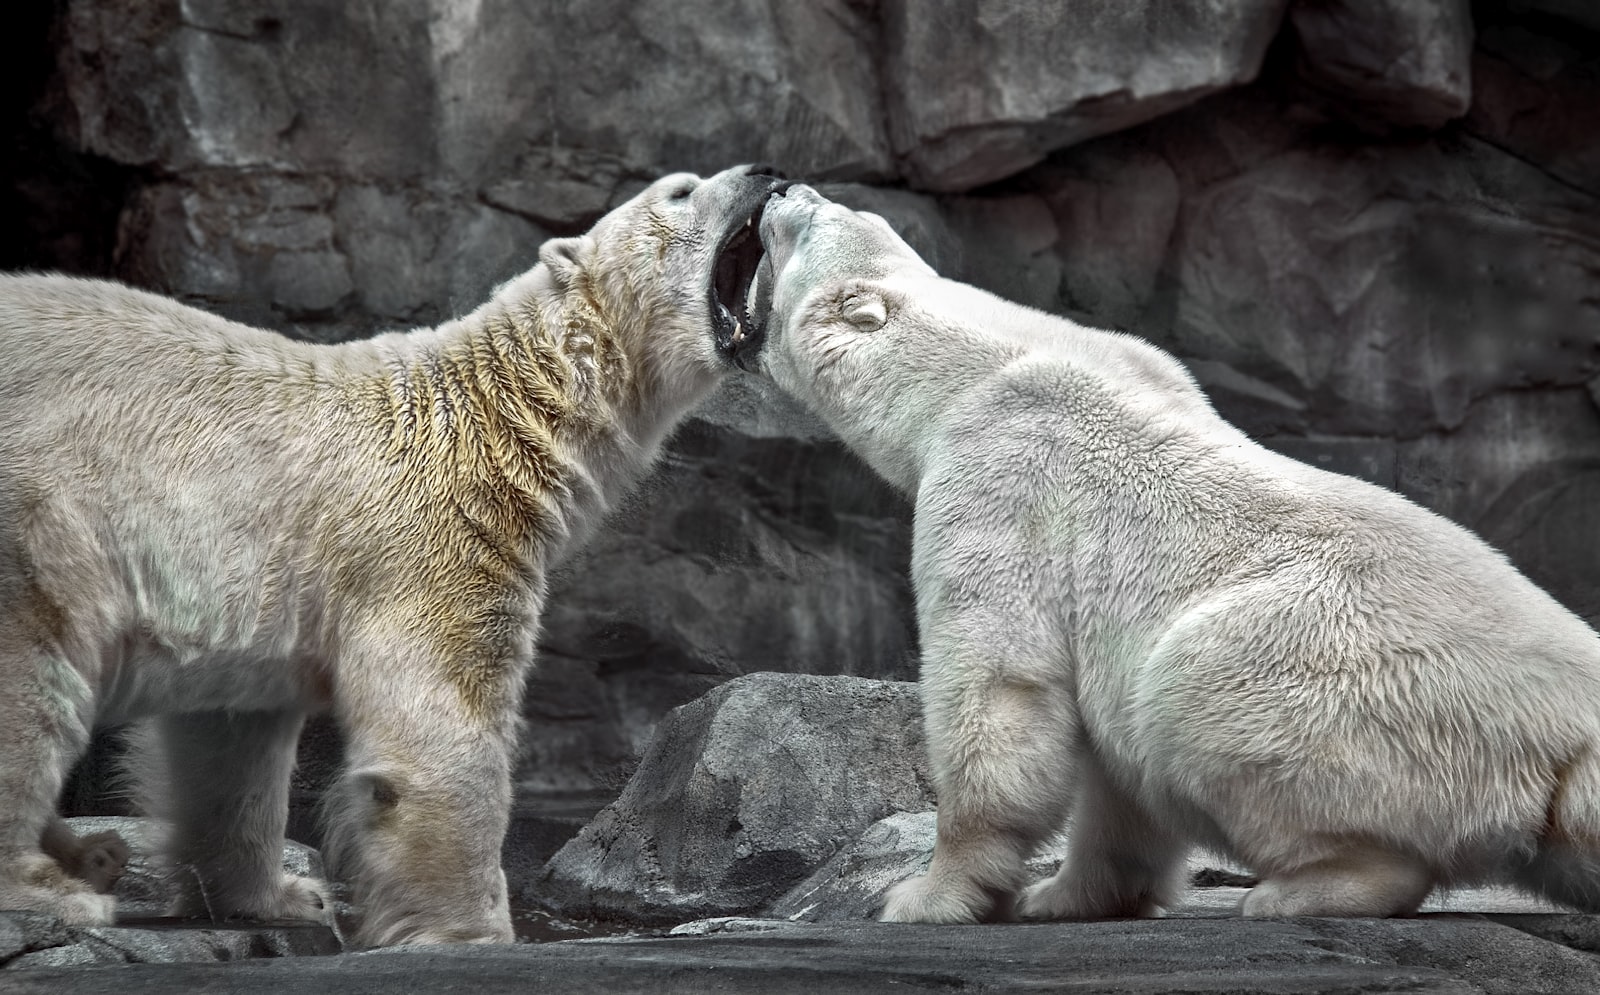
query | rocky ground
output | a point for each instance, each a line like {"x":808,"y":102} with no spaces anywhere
{"x":749,"y":853}
{"x":1454,"y":954}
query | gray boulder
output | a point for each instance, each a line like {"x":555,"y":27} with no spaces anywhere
{"x":852,"y":883}
{"x":1038,"y":77}
{"x":1394,"y":62}
{"x":760,"y":542}
{"x":323,"y":254}
{"x":1371,"y":341}
{"x":740,"y":795}
{"x":171,"y":942}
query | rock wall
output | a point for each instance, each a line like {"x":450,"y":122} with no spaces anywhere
{"x":1369,"y":226}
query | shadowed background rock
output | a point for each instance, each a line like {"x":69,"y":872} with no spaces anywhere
{"x":1369,"y":226}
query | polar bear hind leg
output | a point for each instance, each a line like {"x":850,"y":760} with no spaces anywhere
{"x":42,"y":733}
{"x":1565,"y":866}
{"x":1120,"y":863}
{"x":221,"y":782}
{"x":1360,"y":881}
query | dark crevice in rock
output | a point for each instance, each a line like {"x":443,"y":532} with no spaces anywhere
{"x":59,"y":206}
{"x":1543,"y":169}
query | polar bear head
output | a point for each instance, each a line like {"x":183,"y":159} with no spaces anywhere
{"x":825,"y":277}
{"x":842,"y":312}
{"x":655,"y":275}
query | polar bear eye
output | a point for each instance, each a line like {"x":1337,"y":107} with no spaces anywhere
{"x":682,"y":191}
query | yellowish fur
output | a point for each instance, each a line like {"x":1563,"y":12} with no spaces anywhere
{"x":212,"y":530}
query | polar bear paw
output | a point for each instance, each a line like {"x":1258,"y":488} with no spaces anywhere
{"x":38,"y":883}
{"x":1052,"y":899}
{"x":919,"y":900}
{"x":1057,"y":898}
{"x":303,"y":898}
{"x":102,"y":860}
{"x":289,"y":897}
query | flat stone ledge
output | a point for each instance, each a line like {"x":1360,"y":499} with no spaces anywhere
{"x":31,"y":942}
{"x":1458,"y":954}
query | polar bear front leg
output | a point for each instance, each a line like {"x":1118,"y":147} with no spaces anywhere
{"x":1001,"y":732}
{"x":421,"y":814}
{"x":45,"y":714}
{"x":221,"y":782}
{"x":1120,"y":862}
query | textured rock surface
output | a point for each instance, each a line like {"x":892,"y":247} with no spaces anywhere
{"x":1037,"y":77}
{"x":232,"y":85}
{"x":852,"y":883}
{"x":1401,"y":62}
{"x":741,"y":794}
{"x":44,"y":945}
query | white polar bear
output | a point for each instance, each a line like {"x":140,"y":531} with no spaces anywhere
{"x":1133,"y":615}
{"x":218,"y":530}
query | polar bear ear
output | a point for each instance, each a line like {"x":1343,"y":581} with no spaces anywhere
{"x":561,"y":257}
{"x":866,"y":311}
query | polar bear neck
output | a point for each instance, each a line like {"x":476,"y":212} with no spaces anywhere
{"x":527,"y":431}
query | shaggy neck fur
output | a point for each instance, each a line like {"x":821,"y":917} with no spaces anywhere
{"x":532,"y":413}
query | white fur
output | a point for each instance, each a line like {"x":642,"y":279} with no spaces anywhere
{"x":1134,"y":616}
{"x":213,"y":530}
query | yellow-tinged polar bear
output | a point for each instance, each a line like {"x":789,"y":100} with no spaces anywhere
{"x":220,"y":530}
{"x":1133,"y":615}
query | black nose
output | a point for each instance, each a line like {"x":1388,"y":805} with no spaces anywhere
{"x":782,"y":185}
{"x":765,"y":170}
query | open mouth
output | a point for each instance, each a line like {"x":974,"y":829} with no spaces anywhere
{"x":738,"y":313}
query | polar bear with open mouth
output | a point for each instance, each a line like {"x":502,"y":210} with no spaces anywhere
{"x":1134,"y":616}
{"x":216,"y":530}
